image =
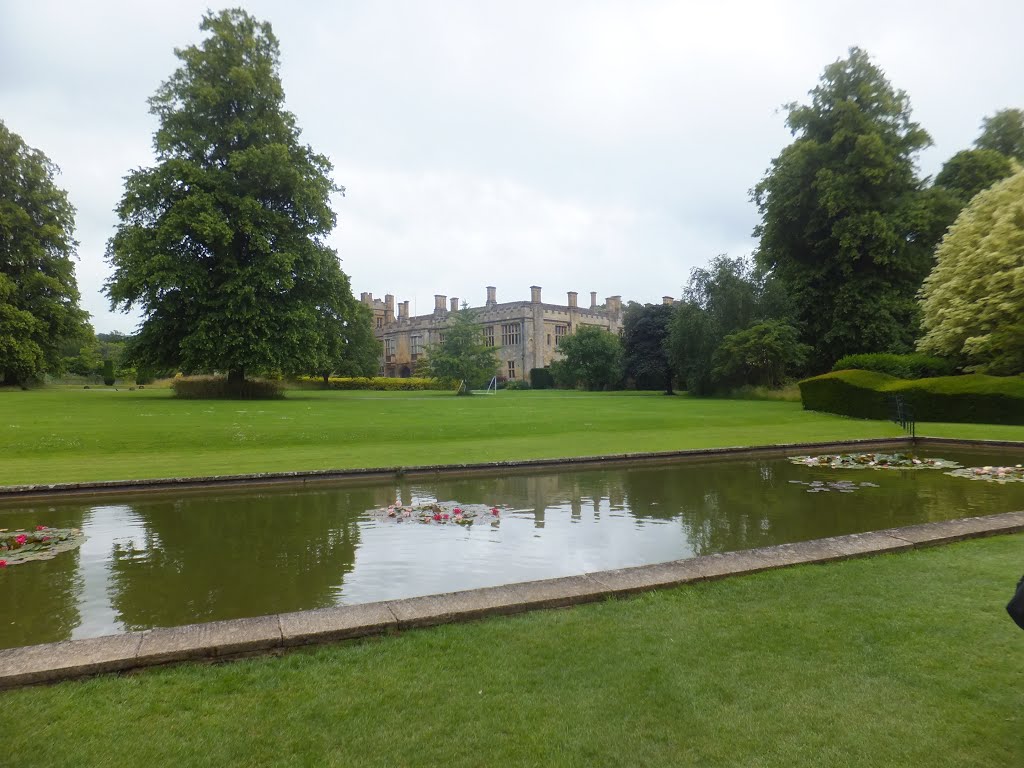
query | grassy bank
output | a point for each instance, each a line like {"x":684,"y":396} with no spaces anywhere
{"x":891,"y":661}
{"x":74,"y":434}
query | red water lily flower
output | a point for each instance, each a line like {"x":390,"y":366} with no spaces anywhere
{"x":437,"y":517}
{"x":40,"y":527}
{"x":46,"y":538}
{"x":457,"y":511}
{"x":3,"y":563}
{"x":21,"y":539}
{"x":494,"y":511}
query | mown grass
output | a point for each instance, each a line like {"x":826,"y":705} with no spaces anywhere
{"x":890,"y":661}
{"x":63,"y":435}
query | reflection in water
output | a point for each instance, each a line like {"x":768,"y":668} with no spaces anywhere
{"x":161,"y":560}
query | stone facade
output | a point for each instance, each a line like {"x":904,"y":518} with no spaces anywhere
{"x":524,"y":334}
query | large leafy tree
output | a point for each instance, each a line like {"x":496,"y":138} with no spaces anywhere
{"x":1004,"y":132}
{"x":39,"y":312}
{"x":764,"y":354}
{"x":969,"y":171}
{"x":462,"y":357}
{"x":221,"y":243}
{"x":973,"y":300}
{"x":591,"y":356}
{"x":727,"y":296}
{"x":844,"y":225}
{"x":350,"y":346}
{"x":645,"y":329}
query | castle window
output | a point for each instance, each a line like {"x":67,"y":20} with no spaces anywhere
{"x":389,"y":349}
{"x":416,"y":343}
{"x":488,"y":335}
{"x":561,"y":331}
{"x":511,"y":369}
{"x":440,"y":338}
{"x":510,"y":334}
{"x":380,"y":322}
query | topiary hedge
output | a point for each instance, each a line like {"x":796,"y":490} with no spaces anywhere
{"x":541,"y":378}
{"x":912,"y":366}
{"x":216,"y":387}
{"x":378,"y":383}
{"x":866,"y":395}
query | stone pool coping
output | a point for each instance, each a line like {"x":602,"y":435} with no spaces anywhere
{"x":274,"y":634}
{"x":305,"y":477}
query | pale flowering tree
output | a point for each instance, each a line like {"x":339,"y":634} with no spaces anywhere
{"x":973,"y":301}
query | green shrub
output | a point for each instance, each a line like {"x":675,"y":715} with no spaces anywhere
{"x":912,"y":366}
{"x":541,"y":378}
{"x":864,"y":394}
{"x":517,"y":384}
{"x":108,"y":372}
{"x":378,"y":383}
{"x":216,"y":388}
{"x":850,"y":393}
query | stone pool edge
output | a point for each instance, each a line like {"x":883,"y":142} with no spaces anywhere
{"x":276,"y":633}
{"x":305,"y":477}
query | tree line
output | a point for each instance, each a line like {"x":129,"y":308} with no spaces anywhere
{"x":221,"y":246}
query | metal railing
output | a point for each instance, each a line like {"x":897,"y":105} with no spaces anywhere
{"x":900,"y":413}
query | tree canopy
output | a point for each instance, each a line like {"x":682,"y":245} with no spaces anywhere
{"x":591,"y":356}
{"x":1004,"y":132}
{"x":727,"y":296}
{"x":969,"y":171}
{"x":462,"y":355}
{"x":39,"y":310}
{"x":844,"y":226}
{"x":973,"y":300}
{"x":645,"y":329}
{"x":221,"y":243}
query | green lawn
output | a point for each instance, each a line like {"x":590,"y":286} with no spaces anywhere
{"x":900,"y":660}
{"x":61,"y":435}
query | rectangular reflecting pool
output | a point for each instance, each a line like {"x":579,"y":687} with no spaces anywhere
{"x":163,"y":559}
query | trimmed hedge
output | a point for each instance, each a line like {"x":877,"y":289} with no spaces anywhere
{"x":541,"y":378}
{"x":216,"y":388}
{"x":378,"y":383}
{"x":912,"y":366}
{"x":974,"y":398}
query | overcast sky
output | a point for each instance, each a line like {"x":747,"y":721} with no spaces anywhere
{"x":587,"y":146}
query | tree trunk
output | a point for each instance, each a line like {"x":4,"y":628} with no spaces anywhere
{"x":236,"y":380}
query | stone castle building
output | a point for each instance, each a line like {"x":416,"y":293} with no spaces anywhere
{"x":525,"y":334}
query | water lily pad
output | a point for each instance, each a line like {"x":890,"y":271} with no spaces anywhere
{"x":438,"y":513}
{"x":872,"y":461}
{"x":43,"y":543}
{"x":1014,"y":474}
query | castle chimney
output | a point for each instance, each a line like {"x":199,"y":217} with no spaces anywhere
{"x":405,"y":304}
{"x":667,"y":300}
{"x":572,"y":299}
{"x":491,"y":296}
{"x":593,"y":299}
{"x":614,"y":304}
{"x":389,"y":308}
{"x":403,"y":311}
{"x":455,"y":303}
{"x":535,"y":294}
{"x":439,"y":301}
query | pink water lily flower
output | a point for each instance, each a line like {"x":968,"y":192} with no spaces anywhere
{"x":21,"y":539}
{"x":3,"y":563}
{"x":40,"y":527}
{"x":494,"y":511}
